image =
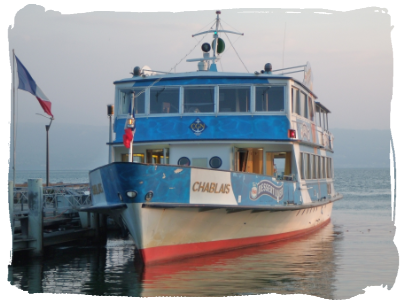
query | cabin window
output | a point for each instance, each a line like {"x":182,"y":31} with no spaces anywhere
{"x":295,"y":100}
{"x":137,"y":157}
{"x":301,"y":166}
{"x":234,"y":99}
{"x":319,"y":167}
{"x":329,"y":167}
{"x":200,"y":162}
{"x":279,"y":164}
{"x":307,"y":166}
{"x":199,"y":99}
{"x":314,"y":168}
{"x":325,"y":120}
{"x":318,"y":115}
{"x":269,"y":98}
{"x":249,"y":160}
{"x":323,"y":173}
{"x":155,"y":156}
{"x":164,"y":100}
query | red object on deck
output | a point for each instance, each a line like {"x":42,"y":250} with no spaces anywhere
{"x":127,"y":137}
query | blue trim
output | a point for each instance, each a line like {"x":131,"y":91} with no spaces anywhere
{"x":176,"y":128}
{"x":171,"y":184}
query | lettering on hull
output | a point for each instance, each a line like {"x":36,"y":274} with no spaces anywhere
{"x":265,"y":187}
{"x":212,"y":187}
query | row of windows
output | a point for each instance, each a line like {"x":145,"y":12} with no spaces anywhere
{"x":303,"y":105}
{"x":315,"y":166}
{"x":164,"y":100}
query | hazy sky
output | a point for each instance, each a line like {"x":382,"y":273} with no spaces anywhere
{"x":75,"y":50}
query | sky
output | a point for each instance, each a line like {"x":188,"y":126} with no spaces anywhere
{"x":75,"y":50}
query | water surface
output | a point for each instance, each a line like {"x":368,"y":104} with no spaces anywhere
{"x":353,"y":251}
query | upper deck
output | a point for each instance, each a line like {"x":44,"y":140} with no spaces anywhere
{"x":207,"y":105}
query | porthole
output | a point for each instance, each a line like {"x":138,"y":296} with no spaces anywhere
{"x":184,"y":161}
{"x":131,"y":194}
{"x":148,"y":196}
{"x":215,"y":162}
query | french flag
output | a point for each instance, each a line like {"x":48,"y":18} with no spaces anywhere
{"x":27,"y":83}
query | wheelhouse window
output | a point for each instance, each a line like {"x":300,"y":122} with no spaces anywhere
{"x":234,"y":99}
{"x":269,"y":98}
{"x":126,"y":102}
{"x":303,"y":105}
{"x":318,"y":115}
{"x":325,"y":115}
{"x":139,"y":100}
{"x":164,"y":100}
{"x":311,"y":109}
{"x":295,"y":101}
{"x":199,"y":99}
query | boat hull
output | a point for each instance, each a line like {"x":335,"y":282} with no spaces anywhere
{"x":163,"y":234}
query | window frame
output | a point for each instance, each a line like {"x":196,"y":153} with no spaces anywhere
{"x":217,"y":107}
{"x":164,"y":114}
{"x":253,"y":100}
{"x":215,"y":88}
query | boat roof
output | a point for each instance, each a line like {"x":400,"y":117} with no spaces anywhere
{"x":323,"y":107}
{"x":207,"y":77}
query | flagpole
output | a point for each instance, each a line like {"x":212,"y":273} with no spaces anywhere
{"x":14,"y":153}
{"x":130,"y":159}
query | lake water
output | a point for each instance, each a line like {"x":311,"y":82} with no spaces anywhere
{"x":353,"y":251}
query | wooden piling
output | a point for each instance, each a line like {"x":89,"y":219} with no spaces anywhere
{"x":6,"y":221}
{"x":35,"y":200}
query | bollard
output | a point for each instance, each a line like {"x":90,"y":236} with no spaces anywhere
{"x":6,"y":221}
{"x":35,"y":200}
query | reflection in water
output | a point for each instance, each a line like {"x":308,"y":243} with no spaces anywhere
{"x":303,"y":265}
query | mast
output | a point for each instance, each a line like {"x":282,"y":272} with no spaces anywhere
{"x":214,"y":46}
{"x":13,"y":108}
{"x":216,"y":35}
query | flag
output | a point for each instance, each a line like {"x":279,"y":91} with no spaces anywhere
{"x":127,"y":137}
{"x":27,"y":83}
{"x":130,"y":133}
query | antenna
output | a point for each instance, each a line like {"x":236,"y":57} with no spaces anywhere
{"x":216,"y":43}
{"x":283,"y":52}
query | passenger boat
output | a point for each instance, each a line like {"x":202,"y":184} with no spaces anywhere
{"x":218,"y":161}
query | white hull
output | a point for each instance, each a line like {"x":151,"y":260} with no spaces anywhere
{"x":162,"y":234}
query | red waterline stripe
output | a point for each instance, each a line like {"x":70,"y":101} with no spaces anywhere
{"x":169,"y":252}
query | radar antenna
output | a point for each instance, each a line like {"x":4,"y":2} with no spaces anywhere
{"x":215,"y":42}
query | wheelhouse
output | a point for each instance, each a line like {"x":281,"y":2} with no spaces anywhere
{"x":264,"y":124}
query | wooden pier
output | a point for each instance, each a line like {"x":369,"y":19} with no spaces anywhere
{"x":45,"y":216}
